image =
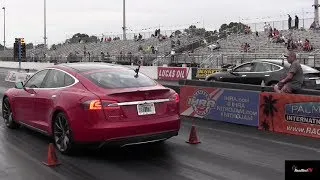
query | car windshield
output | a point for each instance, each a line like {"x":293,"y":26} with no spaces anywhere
{"x":113,"y":79}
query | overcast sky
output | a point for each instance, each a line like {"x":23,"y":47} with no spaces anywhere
{"x":24,"y":18}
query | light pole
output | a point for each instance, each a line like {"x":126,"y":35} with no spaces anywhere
{"x":316,"y":13}
{"x":45,"y":24}
{"x":4,"y":28}
{"x":124,"y":20}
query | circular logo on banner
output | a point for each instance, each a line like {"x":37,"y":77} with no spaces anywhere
{"x":201,"y":102}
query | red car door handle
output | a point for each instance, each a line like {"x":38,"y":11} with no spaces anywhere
{"x":54,"y":96}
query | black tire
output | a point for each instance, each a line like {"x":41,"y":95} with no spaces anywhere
{"x":8,"y":115}
{"x":62,"y":134}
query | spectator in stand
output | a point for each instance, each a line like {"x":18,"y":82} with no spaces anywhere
{"x":307,"y":46}
{"x":300,"y":43}
{"x":130,"y":57}
{"x":296,"y":22}
{"x":245,"y":47}
{"x":257,"y":34}
{"x":289,"y":21}
{"x":266,"y":28}
{"x":102,"y":56}
{"x":291,"y":45}
{"x":276,"y":32}
{"x":270,"y":33}
{"x":247,"y":30}
{"x":156,"y":33}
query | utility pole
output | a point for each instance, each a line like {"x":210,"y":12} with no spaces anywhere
{"x":124,"y":20}
{"x":4,"y":28}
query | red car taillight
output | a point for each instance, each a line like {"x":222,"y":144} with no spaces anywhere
{"x":175,"y":98}
{"x":110,"y":108}
{"x":173,"y":105}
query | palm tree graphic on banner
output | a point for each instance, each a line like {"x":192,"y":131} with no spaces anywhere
{"x":269,"y":110}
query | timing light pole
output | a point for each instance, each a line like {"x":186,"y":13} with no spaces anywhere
{"x":4,"y":28}
{"x":124,"y":20}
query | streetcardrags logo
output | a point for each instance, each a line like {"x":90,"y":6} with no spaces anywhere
{"x":201,"y":102}
{"x":297,"y":170}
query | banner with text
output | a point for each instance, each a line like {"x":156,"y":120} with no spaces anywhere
{"x":234,"y":106}
{"x":202,"y":73}
{"x":172,"y":73}
{"x":290,"y":114}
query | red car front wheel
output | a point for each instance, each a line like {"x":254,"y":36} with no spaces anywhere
{"x":7,"y":114}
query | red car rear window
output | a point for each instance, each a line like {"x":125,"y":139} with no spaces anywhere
{"x":113,"y":79}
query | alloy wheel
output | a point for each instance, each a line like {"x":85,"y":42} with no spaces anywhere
{"x":62,"y":135}
{"x":8,"y":115}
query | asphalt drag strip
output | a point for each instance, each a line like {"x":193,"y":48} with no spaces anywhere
{"x":227,"y":152}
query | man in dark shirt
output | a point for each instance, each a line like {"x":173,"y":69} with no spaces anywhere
{"x":294,"y":79}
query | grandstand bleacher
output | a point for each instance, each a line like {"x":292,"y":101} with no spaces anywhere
{"x":192,"y":50}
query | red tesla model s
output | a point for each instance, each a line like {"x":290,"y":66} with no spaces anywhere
{"x":93,"y":103}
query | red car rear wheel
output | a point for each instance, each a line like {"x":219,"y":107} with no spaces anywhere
{"x":62,"y":134}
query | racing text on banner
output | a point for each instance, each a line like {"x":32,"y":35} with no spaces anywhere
{"x":290,"y":114}
{"x":202,"y":73}
{"x":234,"y":106}
{"x":172,"y":74}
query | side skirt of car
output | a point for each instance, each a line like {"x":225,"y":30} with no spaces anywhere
{"x":35,"y":129}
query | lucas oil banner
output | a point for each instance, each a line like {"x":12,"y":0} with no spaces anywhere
{"x":290,"y":114}
{"x":233,"y":106}
{"x":172,"y":73}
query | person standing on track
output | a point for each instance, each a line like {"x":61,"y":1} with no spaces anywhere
{"x":294,"y":79}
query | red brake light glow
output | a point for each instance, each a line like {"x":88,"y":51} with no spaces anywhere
{"x":95,"y":105}
{"x":175,"y":98}
{"x":99,"y":105}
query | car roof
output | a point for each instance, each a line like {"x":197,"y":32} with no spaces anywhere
{"x":306,"y":69}
{"x":274,"y":61}
{"x":85,"y":67}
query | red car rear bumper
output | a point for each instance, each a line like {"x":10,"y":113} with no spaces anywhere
{"x":129,"y":132}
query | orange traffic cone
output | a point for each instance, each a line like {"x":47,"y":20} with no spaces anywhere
{"x":193,"y":138}
{"x":52,"y":156}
